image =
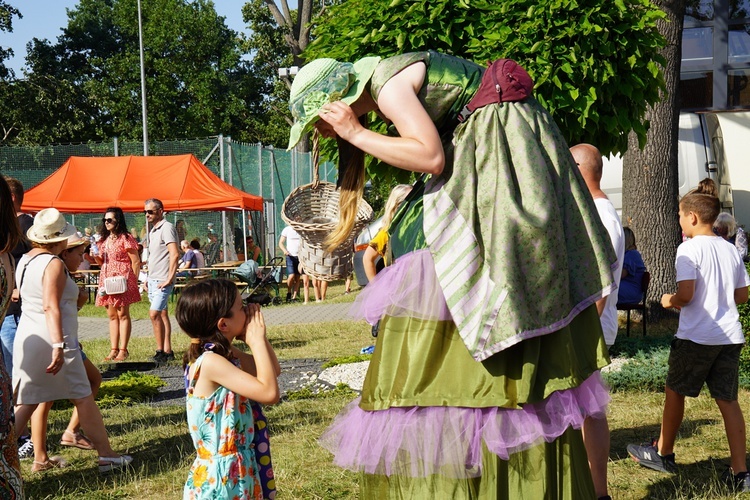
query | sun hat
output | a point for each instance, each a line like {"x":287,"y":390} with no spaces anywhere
{"x":77,"y":239}
{"x":322,"y":81}
{"x":50,"y":227}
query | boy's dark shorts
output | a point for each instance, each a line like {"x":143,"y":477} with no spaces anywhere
{"x":691,"y":364}
{"x":292,"y":265}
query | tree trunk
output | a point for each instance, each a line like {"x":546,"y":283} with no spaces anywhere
{"x":650,"y":183}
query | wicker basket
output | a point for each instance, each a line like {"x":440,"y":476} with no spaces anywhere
{"x":313,"y":211}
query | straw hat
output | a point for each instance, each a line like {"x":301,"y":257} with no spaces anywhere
{"x":50,"y":227}
{"x":77,"y":240}
{"x":322,"y":81}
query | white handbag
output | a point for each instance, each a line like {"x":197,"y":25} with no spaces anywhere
{"x":115,"y":285}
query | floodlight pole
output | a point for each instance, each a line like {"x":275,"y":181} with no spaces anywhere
{"x":143,"y":83}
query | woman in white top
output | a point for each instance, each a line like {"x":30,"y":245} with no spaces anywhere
{"x":48,"y":329}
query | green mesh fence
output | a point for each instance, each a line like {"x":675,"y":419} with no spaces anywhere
{"x":262,"y":171}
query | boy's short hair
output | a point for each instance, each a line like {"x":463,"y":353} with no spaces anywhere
{"x":705,"y":206}
{"x":16,"y":188}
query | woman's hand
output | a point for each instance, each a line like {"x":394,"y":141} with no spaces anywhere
{"x":341,"y":121}
{"x":255,"y":331}
{"x":57,"y":361}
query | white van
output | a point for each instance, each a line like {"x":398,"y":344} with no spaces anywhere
{"x":707,"y":147}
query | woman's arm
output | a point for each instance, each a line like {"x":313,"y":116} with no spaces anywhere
{"x":135,"y":260}
{"x":53,"y":283}
{"x":417,"y":149}
{"x":368,"y":262}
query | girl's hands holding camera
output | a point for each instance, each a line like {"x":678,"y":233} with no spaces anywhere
{"x":255,"y":331}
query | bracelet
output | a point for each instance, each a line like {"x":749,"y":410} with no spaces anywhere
{"x":58,"y":345}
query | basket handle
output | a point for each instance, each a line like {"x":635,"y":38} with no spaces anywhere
{"x":316,"y":158}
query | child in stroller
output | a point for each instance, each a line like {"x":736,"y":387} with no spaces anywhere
{"x":261,"y":288}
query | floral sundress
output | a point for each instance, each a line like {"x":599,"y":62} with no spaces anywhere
{"x":222,"y":428}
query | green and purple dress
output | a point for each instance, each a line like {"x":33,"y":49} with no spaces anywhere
{"x":489,"y":348}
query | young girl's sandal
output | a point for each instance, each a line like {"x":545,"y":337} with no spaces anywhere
{"x":51,"y":463}
{"x":76,"y":440}
{"x":123,"y":355}
{"x":112,"y":354}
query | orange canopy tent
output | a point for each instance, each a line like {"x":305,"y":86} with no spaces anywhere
{"x":91,"y":184}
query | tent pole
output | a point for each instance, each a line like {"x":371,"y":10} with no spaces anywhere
{"x":244,"y":232}
{"x":264,"y":241}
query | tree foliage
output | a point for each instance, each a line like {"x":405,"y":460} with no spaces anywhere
{"x":86,"y":86}
{"x":278,"y":36}
{"x":7,"y":13}
{"x":595,"y":64}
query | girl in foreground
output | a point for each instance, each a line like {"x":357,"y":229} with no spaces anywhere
{"x":489,"y":346}
{"x":222,"y":384}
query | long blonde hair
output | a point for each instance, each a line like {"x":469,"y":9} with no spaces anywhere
{"x":352,"y":186}
{"x":397,"y":196}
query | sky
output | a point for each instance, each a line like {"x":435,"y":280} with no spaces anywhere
{"x":45,"y":18}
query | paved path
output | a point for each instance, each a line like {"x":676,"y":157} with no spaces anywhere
{"x":98,"y":328}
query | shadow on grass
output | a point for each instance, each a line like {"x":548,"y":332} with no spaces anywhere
{"x":695,"y":480}
{"x":151,"y":459}
{"x":621,"y":438}
{"x":288,"y":344}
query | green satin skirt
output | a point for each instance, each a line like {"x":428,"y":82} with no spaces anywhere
{"x":557,"y":470}
{"x":425,"y":363}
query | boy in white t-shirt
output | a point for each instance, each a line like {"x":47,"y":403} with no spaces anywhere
{"x":711,"y":281}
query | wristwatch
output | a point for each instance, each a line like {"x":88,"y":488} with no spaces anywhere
{"x":59,"y":345}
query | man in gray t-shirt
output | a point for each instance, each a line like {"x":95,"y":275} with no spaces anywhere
{"x":162,"y":267}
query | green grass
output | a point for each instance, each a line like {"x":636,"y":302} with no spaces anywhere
{"x":157,"y":436}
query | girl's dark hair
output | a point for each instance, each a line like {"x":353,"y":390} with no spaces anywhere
{"x":199,"y":309}
{"x":10,"y":231}
{"x":120,"y":224}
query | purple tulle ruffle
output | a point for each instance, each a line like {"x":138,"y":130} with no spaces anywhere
{"x":420,"y":441}
{"x":407,"y":288}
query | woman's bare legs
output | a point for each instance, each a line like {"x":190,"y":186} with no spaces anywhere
{"x":39,"y":431}
{"x":95,"y":379}
{"x":91,"y":420}
{"x":114,"y":332}
{"x":125,"y":327}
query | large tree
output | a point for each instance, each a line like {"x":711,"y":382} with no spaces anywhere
{"x":594,"y":63}
{"x":88,"y":82}
{"x":278,"y":36}
{"x":650,"y":180}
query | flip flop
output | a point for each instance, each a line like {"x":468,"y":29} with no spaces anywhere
{"x":51,"y":463}
{"x":78,"y":440}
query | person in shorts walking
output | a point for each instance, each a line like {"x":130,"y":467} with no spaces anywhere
{"x":289,"y":244}
{"x":711,"y":281}
{"x":162,"y":268}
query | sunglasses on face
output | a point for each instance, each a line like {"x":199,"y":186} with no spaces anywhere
{"x":150,"y":212}
{"x":107,"y":220}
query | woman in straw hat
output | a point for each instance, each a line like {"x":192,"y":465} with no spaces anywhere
{"x":489,"y":348}
{"x":11,"y":485}
{"x":72,"y":256}
{"x":48,"y":329}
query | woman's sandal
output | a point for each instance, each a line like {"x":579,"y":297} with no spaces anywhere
{"x":51,"y":463}
{"x":112,"y":354}
{"x":108,"y":464}
{"x":123,"y":355}
{"x":76,"y":440}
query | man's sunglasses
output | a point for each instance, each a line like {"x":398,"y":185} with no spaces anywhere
{"x":150,"y":212}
